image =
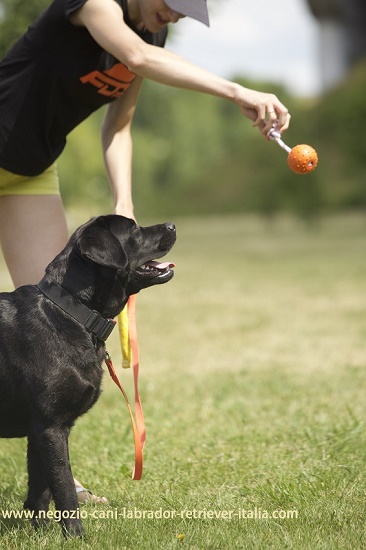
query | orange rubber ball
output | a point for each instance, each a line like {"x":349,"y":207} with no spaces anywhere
{"x":302,"y":159}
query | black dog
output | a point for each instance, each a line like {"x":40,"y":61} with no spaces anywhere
{"x":52,"y":345}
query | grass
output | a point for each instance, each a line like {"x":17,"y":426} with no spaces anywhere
{"x":252,"y":379}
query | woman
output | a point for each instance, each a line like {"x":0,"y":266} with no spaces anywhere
{"x":76,"y":57}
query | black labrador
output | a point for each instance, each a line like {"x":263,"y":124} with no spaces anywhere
{"x":52,"y":345}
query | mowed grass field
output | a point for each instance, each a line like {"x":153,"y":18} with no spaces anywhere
{"x":253,"y":382}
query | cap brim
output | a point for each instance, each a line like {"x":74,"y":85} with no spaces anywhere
{"x":197,"y":9}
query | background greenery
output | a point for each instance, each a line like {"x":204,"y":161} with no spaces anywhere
{"x":196,"y":154}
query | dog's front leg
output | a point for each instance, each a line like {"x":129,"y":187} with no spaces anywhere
{"x":39,"y":493}
{"x":52,"y":445}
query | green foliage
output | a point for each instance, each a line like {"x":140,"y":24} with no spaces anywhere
{"x":15,"y":16}
{"x":338,"y":122}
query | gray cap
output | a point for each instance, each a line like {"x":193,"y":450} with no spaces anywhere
{"x":197,"y":9}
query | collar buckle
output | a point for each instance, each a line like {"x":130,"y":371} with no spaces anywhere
{"x":97,"y":325}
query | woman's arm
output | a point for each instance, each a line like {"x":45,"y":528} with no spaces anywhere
{"x":117,"y":148}
{"x":104,"y":21}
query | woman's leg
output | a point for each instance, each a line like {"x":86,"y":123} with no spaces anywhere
{"x":32,"y":232}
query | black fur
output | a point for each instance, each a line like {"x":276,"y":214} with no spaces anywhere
{"x":50,"y":366}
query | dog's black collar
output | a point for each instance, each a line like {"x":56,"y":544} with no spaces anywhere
{"x":89,"y":318}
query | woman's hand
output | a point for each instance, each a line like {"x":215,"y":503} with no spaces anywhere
{"x":263,"y":110}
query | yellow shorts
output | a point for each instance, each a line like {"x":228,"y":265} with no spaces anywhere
{"x":46,"y":183}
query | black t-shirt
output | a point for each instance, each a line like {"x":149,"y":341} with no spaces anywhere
{"x":53,"y":78}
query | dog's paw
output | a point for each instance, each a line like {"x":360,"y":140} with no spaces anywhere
{"x":73,"y":528}
{"x":37,"y":514}
{"x":39,"y":521}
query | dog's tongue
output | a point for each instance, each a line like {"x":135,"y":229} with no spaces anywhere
{"x":160,"y":266}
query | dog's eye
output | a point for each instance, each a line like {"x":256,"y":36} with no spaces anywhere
{"x":136,"y":236}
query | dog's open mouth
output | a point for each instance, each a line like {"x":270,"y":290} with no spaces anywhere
{"x":154,"y":269}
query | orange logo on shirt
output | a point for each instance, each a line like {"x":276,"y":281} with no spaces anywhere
{"x":112,"y":82}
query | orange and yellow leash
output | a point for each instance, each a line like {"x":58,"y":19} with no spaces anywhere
{"x":130,"y":359}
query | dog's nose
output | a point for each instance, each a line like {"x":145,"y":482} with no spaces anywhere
{"x":170,"y":226}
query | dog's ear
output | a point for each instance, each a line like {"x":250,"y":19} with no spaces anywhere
{"x":102,"y":247}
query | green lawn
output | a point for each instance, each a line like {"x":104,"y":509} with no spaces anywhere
{"x":253,"y":375}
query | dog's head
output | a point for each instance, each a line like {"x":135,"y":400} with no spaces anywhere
{"x":110,"y":258}
{"x":119,"y":243}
